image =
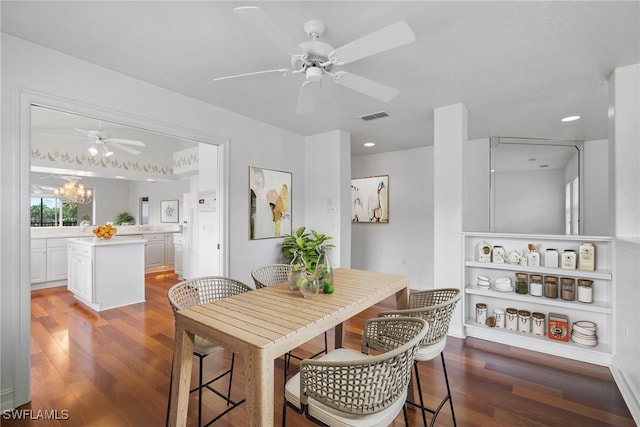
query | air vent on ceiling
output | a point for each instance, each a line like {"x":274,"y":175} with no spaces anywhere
{"x":374,"y":116}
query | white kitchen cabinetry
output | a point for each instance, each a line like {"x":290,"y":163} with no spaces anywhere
{"x":38,"y":260}
{"x":600,"y":311}
{"x":169,"y":252}
{"x":154,"y":251}
{"x":178,"y":243}
{"x":56,"y":259}
{"x":105,"y":274}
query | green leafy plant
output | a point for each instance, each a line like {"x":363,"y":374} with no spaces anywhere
{"x":306,"y":243}
{"x":124,"y":218}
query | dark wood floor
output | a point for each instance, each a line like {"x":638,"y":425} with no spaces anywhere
{"x":112,"y":369}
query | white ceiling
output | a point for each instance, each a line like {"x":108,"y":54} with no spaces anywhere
{"x":519,"y":67}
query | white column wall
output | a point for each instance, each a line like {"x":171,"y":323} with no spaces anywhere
{"x":624,"y":158}
{"x":326,"y":192}
{"x":450,"y":134}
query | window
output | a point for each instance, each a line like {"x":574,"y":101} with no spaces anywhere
{"x":52,"y":212}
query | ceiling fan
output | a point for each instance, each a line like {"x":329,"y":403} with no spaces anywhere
{"x":318,"y":59}
{"x":101,"y":141}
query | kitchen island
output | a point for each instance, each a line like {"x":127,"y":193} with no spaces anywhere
{"x":104,"y":274}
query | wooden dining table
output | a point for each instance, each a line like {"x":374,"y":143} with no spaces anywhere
{"x":264,"y":324}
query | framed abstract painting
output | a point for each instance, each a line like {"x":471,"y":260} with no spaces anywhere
{"x":370,"y":199}
{"x":169,"y":211}
{"x":269,"y":203}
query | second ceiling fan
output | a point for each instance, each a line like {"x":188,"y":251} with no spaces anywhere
{"x":315,"y":59}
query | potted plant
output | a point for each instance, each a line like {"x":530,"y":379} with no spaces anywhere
{"x":125,"y":218}
{"x":306,"y":244}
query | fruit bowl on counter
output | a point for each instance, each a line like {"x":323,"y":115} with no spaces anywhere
{"x":105,"y":231}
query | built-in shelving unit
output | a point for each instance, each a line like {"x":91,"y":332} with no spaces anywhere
{"x":600,"y":311}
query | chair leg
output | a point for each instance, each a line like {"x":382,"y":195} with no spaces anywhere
{"x":422,"y":408}
{"x":446,"y":379}
{"x":233,"y":358}
{"x":200,"y":392}
{"x":169,"y":399}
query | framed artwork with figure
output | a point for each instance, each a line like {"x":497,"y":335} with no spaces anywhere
{"x":269,"y":203}
{"x":169,"y":211}
{"x":370,"y":199}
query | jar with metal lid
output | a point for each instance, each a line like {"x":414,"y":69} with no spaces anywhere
{"x":512,"y":319}
{"x":537,"y":324}
{"x":585,"y":290}
{"x":522,"y":283}
{"x":524,"y":321}
{"x":568,"y":288}
{"x":481,"y":313}
{"x":535,"y":285}
{"x":551,"y":286}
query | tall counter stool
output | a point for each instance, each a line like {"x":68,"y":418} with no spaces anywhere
{"x":436,"y":307}
{"x":199,"y":291}
{"x":349,"y":387}
{"x":272,"y":274}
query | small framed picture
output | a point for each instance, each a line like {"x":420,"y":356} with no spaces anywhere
{"x":169,"y":211}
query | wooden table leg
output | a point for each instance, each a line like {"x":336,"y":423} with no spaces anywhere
{"x":181,"y":377}
{"x":259,"y":388}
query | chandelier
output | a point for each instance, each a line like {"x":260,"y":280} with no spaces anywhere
{"x":74,"y":193}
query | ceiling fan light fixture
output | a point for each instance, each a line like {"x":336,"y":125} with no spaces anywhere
{"x":314,"y":74}
{"x":93,"y":150}
{"x":570,"y":118}
{"x":107,"y":152}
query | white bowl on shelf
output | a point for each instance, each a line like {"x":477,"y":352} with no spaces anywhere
{"x":503,"y":284}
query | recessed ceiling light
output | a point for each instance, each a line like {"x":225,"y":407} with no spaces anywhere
{"x":570,"y":118}
{"x":119,"y":177}
{"x":150,"y":180}
{"x":369,"y":144}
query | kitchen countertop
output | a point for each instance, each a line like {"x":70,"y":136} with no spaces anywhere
{"x":87,"y":231}
{"x":115,"y":240}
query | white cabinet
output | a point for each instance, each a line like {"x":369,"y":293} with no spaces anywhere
{"x":169,"y":252}
{"x":178,"y":244}
{"x":56,"y":259}
{"x":105,"y":274}
{"x":159,"y":253}
{"x":154,"y":250}
{"x":80,"y":279}
{"x":600,"y":311}
{"x":38,"y":260}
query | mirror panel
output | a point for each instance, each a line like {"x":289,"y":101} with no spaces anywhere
{"x":536,"y":186}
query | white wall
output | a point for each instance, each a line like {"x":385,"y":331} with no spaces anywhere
{"x":33,"y":72}
{"x":156,"y":192}
{"x":516,"y":210}
{"x":405,"y":244}
{"x":595,"y":212}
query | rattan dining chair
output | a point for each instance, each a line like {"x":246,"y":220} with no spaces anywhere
{"x":348,"y":387}
{"x":271,"y":274}
{"x":436,"y":307}
{"x":194,"y":292}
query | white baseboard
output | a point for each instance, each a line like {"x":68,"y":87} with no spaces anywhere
{"x":7,"y":399}
{"x":630,"y":393}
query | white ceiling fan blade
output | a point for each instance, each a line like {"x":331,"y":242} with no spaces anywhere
{"x":63,"y":136}
{"x":282,"y":71}
{"x":307,"y":98}
{"x":127,"y":141}
{"x":124,"y":148}
{"x":86,"y":132}
{"x":254,"y":16}
{"x":363,"y":85}
{"x":389,"y":37}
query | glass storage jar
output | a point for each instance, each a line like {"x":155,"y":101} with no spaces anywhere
{"x":568,"y":288}
{"x":481,"y":313}
{"x":535,"y":285}
{"x":512,"y":319}
{"x":522,"y":283}
{"x":551,"y":286}
{"x":585,"y":290}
